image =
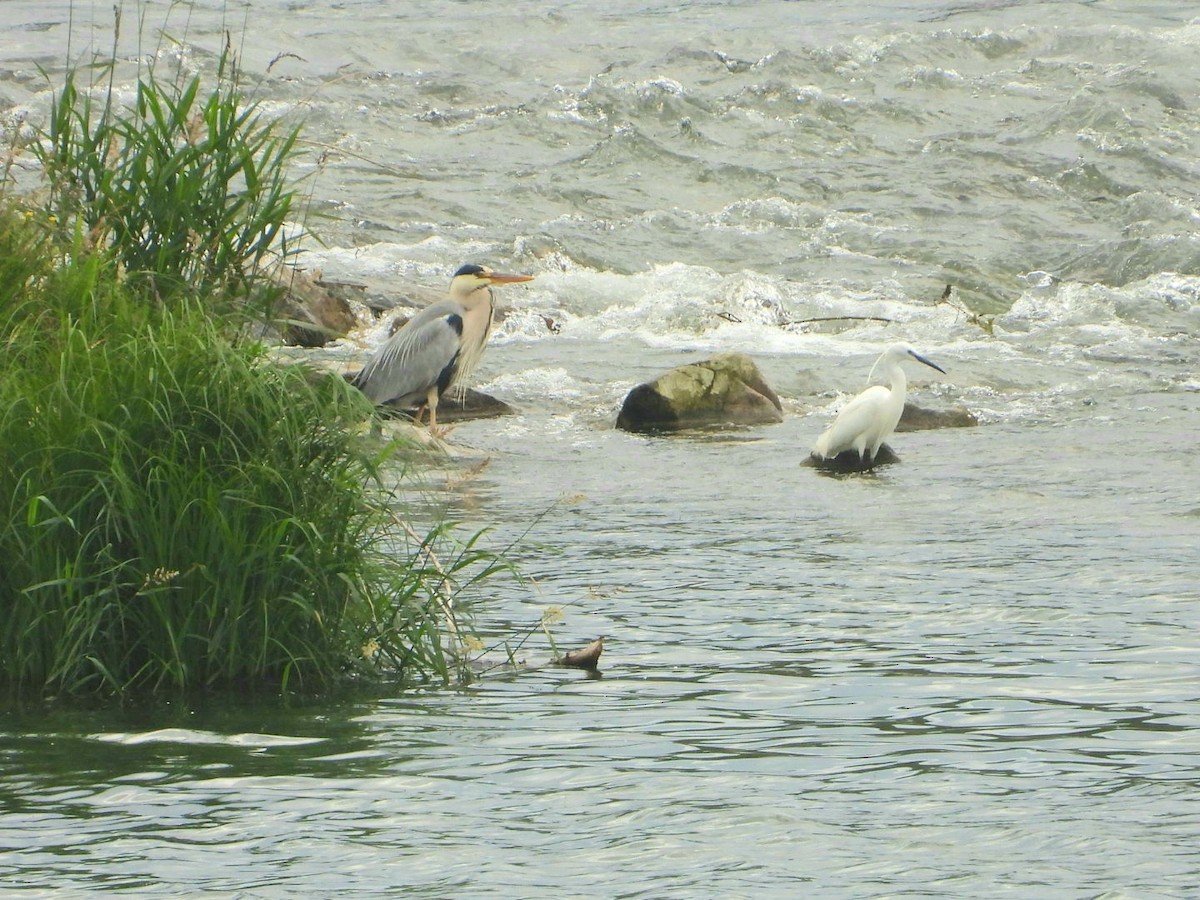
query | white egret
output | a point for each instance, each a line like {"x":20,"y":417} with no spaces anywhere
{"x":870,"y":418}
{"x":437,"y":347}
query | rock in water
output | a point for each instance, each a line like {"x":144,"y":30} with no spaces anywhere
{"x":919,"y":418}
{"x":456,"y":405}
{"x":314,"y":311}
{"x":463,"y":406}
{"x":849,"y":461}
{"x":725,"y":390}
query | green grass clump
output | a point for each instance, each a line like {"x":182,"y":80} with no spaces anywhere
{"x":178,"y":512}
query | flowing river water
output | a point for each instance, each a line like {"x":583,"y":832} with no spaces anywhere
{"x":972,"y":674}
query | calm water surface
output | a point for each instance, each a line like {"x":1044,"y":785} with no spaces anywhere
{"x":973,"y":674}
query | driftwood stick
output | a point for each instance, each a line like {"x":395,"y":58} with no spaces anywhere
{"x":730,"y":317}
{"x":839,"y":319}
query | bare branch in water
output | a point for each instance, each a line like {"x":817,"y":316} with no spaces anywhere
{"x":838,"y":319}
{"x":730,"y":317}
{"x":986,"y":322}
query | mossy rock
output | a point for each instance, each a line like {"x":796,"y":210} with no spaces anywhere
{"x":727,"y":389}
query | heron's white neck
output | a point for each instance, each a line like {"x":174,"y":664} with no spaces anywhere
{"x":475,"y":297}
{"x":479,"y":307}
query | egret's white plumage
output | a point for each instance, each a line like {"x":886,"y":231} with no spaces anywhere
{"x":438,"y":346}
{"x":869,"y":419}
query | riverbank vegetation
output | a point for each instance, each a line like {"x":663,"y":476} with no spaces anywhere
{"x":177,"y":511}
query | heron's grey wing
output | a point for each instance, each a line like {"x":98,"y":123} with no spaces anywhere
{"x":413,"y":359}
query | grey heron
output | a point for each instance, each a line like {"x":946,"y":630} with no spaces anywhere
{"x":438,"y":346}
{"x":869,"y":419}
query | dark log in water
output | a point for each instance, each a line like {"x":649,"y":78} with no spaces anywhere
{"x":584,"y":658}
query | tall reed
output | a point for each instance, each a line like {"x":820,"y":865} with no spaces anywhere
{"x":188,"y":187}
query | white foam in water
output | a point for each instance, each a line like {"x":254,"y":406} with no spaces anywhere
{"x":681,"y":307}
{"x":554,"y":383}
{"x":1159,"y":306}
{"x":687,"y":305}
{"x":423,"y":263}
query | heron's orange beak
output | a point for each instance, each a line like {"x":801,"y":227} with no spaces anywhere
{"x":502,"y":278}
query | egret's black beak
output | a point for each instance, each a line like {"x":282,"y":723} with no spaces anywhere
{"x":919,"y":358}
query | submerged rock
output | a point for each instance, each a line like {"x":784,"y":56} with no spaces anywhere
{"x":456,"y":406}
{"x":849,"y":461}
{"x":727,"y":389}
{"x":918,"y":418}
{"x":467,"y":404}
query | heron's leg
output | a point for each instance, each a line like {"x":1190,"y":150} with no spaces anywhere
{"x":432,"y":402}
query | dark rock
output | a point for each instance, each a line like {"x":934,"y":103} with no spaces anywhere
{"x":849,"y":461}
{"x":463,"y":405}
{"x":312,"y":311}
{"x":727,"y":389}
{"x":457,"y":407}
{"x":918,"y":418}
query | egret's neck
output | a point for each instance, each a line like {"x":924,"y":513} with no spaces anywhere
{"x":899,"y":385}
